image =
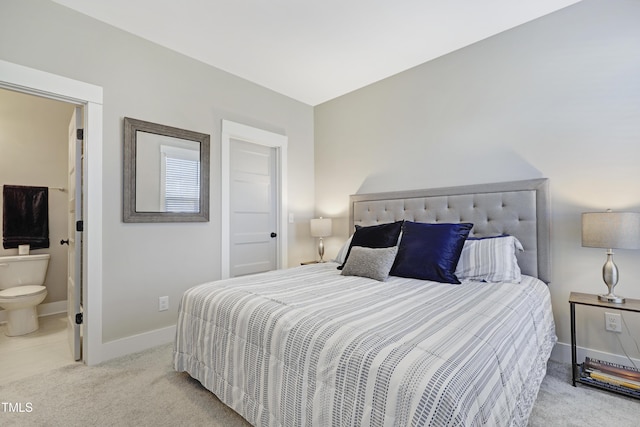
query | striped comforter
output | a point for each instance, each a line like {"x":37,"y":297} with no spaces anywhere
{"x":309,"y":347}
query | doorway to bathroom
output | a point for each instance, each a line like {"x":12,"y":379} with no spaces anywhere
{"x":43,"y":84}
{"x":40,"y":145}
{"x":18,"y":78}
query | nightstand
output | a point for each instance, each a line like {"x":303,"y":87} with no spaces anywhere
{"x":309,"y":262}
{"x":577,"y":298}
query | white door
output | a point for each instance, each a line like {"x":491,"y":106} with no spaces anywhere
{"x":74,"y":254}
{"x":253,"y":208}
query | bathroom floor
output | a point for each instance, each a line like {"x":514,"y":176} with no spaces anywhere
{"x":37,"y":352}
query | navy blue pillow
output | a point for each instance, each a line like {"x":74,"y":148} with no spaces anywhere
{"x":430,"y":251}
{"x":375,"y":236}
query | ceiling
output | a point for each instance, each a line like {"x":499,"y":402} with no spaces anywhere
{"x":315,"y":50}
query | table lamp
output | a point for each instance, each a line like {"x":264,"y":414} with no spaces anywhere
{"x":321,"y":227}
{"x":609,"y":230}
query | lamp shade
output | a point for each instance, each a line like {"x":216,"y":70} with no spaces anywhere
{"x":611,"y":230}
{"x":321,"y":227}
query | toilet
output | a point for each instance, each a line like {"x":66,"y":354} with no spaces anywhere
{"x":21,"y":290}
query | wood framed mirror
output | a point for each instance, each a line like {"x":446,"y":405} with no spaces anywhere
{"x":166,"y":173}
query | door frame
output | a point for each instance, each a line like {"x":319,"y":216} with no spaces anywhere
{"x":232,"y":130}
{"x":47,"y":85}
{"x":74,"y":237}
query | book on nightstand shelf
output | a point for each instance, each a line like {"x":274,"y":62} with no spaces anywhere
{"x":610,"y":375}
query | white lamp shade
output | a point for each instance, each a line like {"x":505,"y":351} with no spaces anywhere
{"x":321,"y":227}
{"x":611,"y":230}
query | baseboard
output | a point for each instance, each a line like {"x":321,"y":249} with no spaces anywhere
{"x":52,"y":308}
{"x":136,"y":343}
{"x":562,"y":353}
{"x":46,"y":309}
{"x":116,"y":348}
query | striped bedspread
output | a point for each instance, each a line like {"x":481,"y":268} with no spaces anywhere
{"x":309,"y":347}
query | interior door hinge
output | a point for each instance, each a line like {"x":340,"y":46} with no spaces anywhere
{"x":79,"y":318}
{"x":80,"y":225}
{"x":80,"y":134}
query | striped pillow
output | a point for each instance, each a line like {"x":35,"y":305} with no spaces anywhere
{"x":490,"y":259}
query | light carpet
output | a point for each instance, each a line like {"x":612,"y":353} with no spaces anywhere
{"x":143,"y":390}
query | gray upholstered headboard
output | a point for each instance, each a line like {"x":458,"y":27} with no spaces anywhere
{"x":519,"y":208}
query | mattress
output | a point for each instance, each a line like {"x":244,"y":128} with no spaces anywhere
{"x":308,"y":346}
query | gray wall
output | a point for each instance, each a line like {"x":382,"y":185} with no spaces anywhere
{"x":141,"y":80}
{"x":558,"y":97}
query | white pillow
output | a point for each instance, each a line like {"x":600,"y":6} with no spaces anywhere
{"x":490,"y":259}
{"x":342,"y":253}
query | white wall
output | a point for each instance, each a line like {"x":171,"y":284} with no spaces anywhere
{"x":141,"y":80}
{"x":558,"y":97}
{"x":33,"y":147}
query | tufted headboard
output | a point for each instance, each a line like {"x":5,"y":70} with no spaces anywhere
{"x":518,"y":208}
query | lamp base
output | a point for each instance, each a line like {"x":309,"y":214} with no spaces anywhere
{"x":614,"y":299}
{"x":610,"y":277}
{"x":321,"y":250}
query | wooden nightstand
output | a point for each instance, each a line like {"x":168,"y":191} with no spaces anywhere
{"x":577,"y":298}
{"x":309,"y":262}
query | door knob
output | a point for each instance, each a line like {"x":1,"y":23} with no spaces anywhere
{"x":274,"y":234}
{"x":64,"y":242}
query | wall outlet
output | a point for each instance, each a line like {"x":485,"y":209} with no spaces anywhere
{"x":163,"y":303}
{"x":613,"y":322}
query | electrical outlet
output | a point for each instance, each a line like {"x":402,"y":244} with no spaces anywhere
{"x":613,"y":322}
{"x":163,"y":303}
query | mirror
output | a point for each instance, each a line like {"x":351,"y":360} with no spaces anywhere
{"x":166,"y":173}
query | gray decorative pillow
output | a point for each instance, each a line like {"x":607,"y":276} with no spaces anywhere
{"x":374,"y":263}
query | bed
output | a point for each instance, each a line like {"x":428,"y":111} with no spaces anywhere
{"x":314,"y":346}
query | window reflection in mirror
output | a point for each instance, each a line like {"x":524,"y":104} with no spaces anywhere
{"x":166,"y":173}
